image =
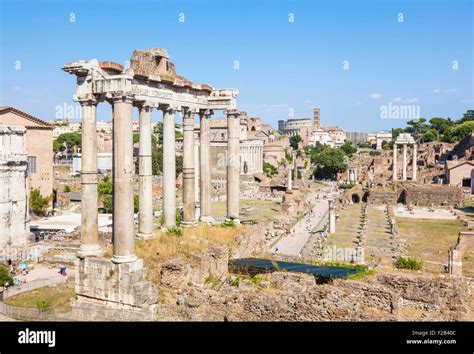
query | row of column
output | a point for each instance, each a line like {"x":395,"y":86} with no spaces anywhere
{"x":253,"y":155}
{"x":123,"y":172}
{"x":404,"y":162}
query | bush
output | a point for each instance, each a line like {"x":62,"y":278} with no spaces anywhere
{"x":5,"y":275}
{"x":175,"y":230}
{"x":346,"y":185}
{"x":408,"y":263}
{"x":42,"y":305}
{"x":228,"y":223}
{"x":67,"y":189}
{"x":38,"y":203}
{"x":269,"y":169}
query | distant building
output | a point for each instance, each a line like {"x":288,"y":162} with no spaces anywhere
{"x":338,"y":136}
{"x":303,"y":127}
{"x":322,"y":137}
{"x":39,"y":147}
{"x":378,"y":138}
{"x":356,"y":137}
{"x":458,"y":173}
{"x":61,"y":129}
{"x":104,"y":162}
{"x":104,"y":127}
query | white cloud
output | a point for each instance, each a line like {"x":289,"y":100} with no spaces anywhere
{"x":438,"y":90}
{"x":375,"y":96}
{"x":404,"y":100}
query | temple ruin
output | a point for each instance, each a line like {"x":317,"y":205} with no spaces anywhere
{"x":149,"y":83}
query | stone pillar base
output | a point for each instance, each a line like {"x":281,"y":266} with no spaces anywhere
{"x":207,"y":219}
{"x":90,"y":251}
{"x":110,"y":291}
{"x":189,"y":223}
{"x":235,"y":220}
{"x":144,"y":236}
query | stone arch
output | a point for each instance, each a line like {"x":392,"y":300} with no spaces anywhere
{"x":355,"y":198}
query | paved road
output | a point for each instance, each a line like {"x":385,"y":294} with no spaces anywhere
{"x":292,"y":244}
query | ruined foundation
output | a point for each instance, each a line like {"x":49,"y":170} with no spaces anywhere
{"x":114,"y":292}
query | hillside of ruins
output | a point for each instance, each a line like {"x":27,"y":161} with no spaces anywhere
{"x":213,"y":215}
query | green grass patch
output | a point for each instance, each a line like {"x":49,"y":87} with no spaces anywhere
{"x":408,"y":263}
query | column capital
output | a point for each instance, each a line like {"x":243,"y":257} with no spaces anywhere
{"x":188,"y":111}
{"x":206,"y":112}
{"x":87,"y":100}
{"x":125,"y":97}
{"x":144,"y":105}
{"x":232,"y":112}
{"x":172,"y":109}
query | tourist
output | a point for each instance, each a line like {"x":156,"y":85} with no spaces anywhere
{"x":6,"y":285}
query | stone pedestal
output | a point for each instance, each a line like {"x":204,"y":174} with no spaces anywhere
{"x":109,"y":291}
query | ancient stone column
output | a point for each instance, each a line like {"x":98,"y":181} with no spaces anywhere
{"x":89,"y":198}
{"x":123,"y":171}
{"x":332,"y":217}
{"x":145,"y":175}
{"x":415,"y":157}
{"x":204,"y":166}
{"x":394,"y":166}
{"x":233,"y":164}
{"x":289,"y":186}
{"x":404,"y":167}
{"x":169,"y":167}
{"x":189,"y":211}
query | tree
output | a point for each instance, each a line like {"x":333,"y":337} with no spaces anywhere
{"x":441,"y":124}
{"x":387,"y":145}
{"x":430,"y":135}
{"x":269,"y":169}
{"x":330,"y":162}
{"x":458,"y":132}
{"x":71,"y":140}
{"x":294,"y":141}
{"x":468,"y":116}
{"x":38,"y":203}
{"x":364,"y":145}
{"x":417,"y":127}
{"x":348,"y":148}
{"x":396,"y":132}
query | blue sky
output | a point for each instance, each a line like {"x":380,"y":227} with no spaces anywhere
{"x":350,"y":58}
